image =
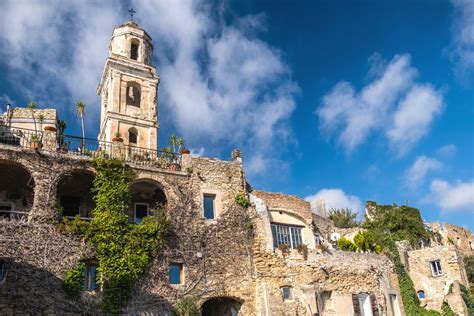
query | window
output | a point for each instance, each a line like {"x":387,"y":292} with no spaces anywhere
{"x":134,"y":50}
{"x":436,"y":267}
{"x":286,"y":234}
{"x":132,"y":136}
{"x":141,"y":210}
{"x":176,"y":274}
{"x":364,"y":304}
{"x":90,"y":276}
{"x":421,"y":294}
{"x":3,"y":272}
{"x":133,"y":94}
{"x":209,"y":206}
{"x":286,"y":293}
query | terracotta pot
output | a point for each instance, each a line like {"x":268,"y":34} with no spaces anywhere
{"x":50,"y":128}
{"x":117,"y":139}
{"x":185,"y":151}
{"x":174,"y":166}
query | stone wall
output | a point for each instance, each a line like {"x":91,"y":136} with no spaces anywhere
{"x":458,"y":236}
{"x":436,"y":288}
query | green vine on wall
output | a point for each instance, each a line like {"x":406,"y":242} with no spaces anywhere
{"x":123,"y":249}
{"x":74,"y":280}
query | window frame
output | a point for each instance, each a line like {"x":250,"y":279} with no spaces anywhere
{"x":134,"y":43}
{"x":421,"y":292}
{"x":214,"y":211}
{"x":180,"y":266}
{"x":135,"y":210}
{"x":436,"y":264}
{"x":88,"y":275}
{"x":290,"y":293}
{"x":290,"y":240}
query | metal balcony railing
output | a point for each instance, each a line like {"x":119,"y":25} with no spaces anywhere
{"x":87,"y":147}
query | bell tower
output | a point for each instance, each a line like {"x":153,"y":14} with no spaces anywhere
{"x":128,"y":89}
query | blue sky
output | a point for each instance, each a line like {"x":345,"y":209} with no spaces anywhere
{"x":345,"y":100}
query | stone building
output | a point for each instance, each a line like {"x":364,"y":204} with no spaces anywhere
{"x":230,"y":257}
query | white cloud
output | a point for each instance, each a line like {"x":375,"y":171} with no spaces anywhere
{"x":447,"y":151}
{"x":452,"y":197}
{"x":415,"y":175}
{"x":220,"y":85}
{"x":463,"y":38}
{"x":334,"y":198}
{"x":353,"y":115}
{"x":412,"y":119}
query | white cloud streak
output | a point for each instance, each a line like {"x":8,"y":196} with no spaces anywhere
{"x":393,"y":103}
{"x":463,"y":38}
{"x":455,"y":197}
{"x":415,"y":175}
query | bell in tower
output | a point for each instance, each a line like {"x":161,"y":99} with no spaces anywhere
{"x":128,"y":89}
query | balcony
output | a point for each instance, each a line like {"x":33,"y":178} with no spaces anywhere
{"x":49,"y":141}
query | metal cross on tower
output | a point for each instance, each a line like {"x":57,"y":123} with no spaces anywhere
{"x":132,"y":12}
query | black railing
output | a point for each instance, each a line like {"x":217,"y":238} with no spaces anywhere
{"x":87,"y":147}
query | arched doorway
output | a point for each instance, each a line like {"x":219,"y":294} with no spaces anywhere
{"x":16,"y":190}
{"x":147,"y":195}
{"x":221,"y":306}
{"x":74,"y":194}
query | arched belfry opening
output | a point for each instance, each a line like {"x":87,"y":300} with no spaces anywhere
{"x":147,"y":196}
{"x":134,"y":46}
{"x":221,"y":306}
{"x":133,"y":94}
{"x":74,"y":194}
{"x":16,"y":190}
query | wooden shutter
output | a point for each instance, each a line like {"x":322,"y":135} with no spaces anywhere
{"x":356,"y":305}
{"x":373,"y":303}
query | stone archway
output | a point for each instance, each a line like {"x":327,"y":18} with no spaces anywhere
{"x":16,"y":190}
{"x":74,"y":194}
{"x":147,"y":195}
{"x":221,"y":306}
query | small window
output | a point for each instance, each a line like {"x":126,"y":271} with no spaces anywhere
{"x":134,"y":51}
{"x":421,"y":294}
{"x":286,"y":293}
{"x":436,"y":267}
{"x":176,"y":274}
{"x":132,"y":136}
{"x":209,"y":206}
{"x":141,"y":210}
{"x":90,"y":277}
{"x":133,"y":94}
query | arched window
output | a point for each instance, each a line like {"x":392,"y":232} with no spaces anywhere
{"x":133,"y":136}
{"x":133,"y":94}
{"x":134,"y":44}
{"x":421,"y":294}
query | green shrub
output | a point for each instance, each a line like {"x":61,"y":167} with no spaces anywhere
{"x":242,"y":200}
{"x":343,"y":218}
{"x":77,"y":226}
{"x":346,"y":245}
{"x":447,"y":311}
{"x":467,"y":298}
{"x":187,"y":306}
{"x":365,"y":241}
{"x":74,"y":280}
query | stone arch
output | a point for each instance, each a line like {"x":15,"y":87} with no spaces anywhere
{"x":221,"y":306}
{"x":134,"y":48}
{"x":147,"y":195}
{"x":17,"y":189}
{"x":73,"y":193}
{"x":133,"y":94}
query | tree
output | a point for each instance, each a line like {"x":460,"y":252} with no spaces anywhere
{"x":343,"y":218}
{"x":80,"y":107}
{"x":32,"y":107}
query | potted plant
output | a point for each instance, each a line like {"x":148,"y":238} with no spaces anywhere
{"x":118,"y":137}
{"x":35,"y":142}
{"x":285,"y":250}
{"x":303,"y":250}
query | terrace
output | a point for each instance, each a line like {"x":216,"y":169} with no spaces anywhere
{"x":50,"y":141}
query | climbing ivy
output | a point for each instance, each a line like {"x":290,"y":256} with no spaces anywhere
{"x":242,"y":200}
{"x":122,"y":249}
{"x":74,"y":280}
{"x":447,"y":311}
{"x":187,"y":306}
{"x":468,"y":299}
